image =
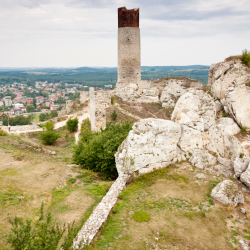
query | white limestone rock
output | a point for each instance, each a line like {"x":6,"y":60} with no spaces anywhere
{"x":191,"y":139}
{"x":244,"y":244}
{"x":195,"y":109}
{"x":152,"y":144}
{"x":227,"y":193}
{"x":219,"y":170}
{"x":229,"y":126}
{"x":246,"y":148}
{"x":245,"y":176}
{"x":237,"y":101}
{"x":229,"y":84}
{"x":240,"y":165}
{"x":202,"y":160}
{"x":225,"y":145}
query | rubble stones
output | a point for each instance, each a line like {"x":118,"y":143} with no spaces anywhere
{"x":227,"y":193}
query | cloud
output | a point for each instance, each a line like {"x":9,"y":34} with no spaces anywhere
{"x":53,"y":27}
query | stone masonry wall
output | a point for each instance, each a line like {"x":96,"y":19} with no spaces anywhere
{"x":129,"y":55}
{"x":99,"y":100}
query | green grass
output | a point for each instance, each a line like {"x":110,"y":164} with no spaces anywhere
{"x":141,"y":216}
{"x":11,"y":197}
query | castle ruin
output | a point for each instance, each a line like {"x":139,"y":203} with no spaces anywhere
{"x":129,"y":49}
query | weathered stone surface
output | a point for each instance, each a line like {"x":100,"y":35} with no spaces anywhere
{"x":237,"y":101}
{"x":99,"y":100}
{"x":228,"y":125}
{"x":152,"y":144}
{"x":84,"y":96}
{"x":202,"y":159}
{"x":246,"y":148}
{"x":240,"y":165}
{"x":219,"y":170}
{"x":166,"y":90}
{"x":245,"y":176}
{"x":229,"y":85}
{"x":223,"y":144}
{"x":227,"y":193}
{"x":196,"y":109}
{"x":201,"y":176}
{"x":128,"y":18}
{"x":100,"y":214}
{"x":244,"y":244}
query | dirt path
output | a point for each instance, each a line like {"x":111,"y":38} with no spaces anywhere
{"x":126,"y":112}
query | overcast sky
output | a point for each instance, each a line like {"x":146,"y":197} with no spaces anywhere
{"x":75,"y":33}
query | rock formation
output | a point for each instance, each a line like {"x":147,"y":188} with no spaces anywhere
{"x":227,"y":193}
{"x":229,"y":83}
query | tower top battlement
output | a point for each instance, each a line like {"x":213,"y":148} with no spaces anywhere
{"x":128,"y":18}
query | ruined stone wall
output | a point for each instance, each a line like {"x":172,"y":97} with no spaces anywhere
{"x":99,"y":100}
{"x":129,"y":49}
{"x":92,"y":107}
{"x":84,"y":95}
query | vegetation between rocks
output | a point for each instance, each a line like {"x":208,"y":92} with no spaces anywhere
{"x":95,"y":150}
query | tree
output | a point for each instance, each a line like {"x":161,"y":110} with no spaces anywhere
{"x":34,"y":102}
{"x":30,"y":108}
{"x":96,"y":150}
{"x":31,"y":116}
{"x":44,"y":94}
{"x":54,"y":114}
{"x":72,"y":124}
{"x":49,"y":136}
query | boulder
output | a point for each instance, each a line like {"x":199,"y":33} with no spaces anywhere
{"x":237,"y":102}
{"x":229,"y":84}
{"x":202,"y":160}
{"x":152,"y":144}
{"x":240,"y":165}
{"x":195,"y":109}
{"x":228,"y":125}
{"x":245,"y":176}
{"x":225,"y":145}
{"x":227,"y":193}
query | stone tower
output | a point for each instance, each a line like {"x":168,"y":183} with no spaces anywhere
{"x":129,"y":49}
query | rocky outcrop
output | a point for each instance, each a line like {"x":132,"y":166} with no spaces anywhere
{"x":229,"y":84}
{"x":195,"y":109}
{"x":245,"y":176}
{"x":227,"y":193}
{"x":166,"y":91}
{"x":228,"y":125}
{"x":152,"y":144}
{"x":240,"y":165}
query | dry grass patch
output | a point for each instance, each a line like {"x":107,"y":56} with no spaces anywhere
{"x":182,"y":215}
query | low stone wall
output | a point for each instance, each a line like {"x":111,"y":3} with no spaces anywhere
{"x":100,"y":214}
{"x":21,"y":129}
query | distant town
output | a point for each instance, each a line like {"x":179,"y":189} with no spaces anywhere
{"x":19,"y":98}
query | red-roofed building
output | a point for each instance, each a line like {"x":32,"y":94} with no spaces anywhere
{"x":29,"y":101}
{"x":53,"y":98}
{"x":48,"y":104}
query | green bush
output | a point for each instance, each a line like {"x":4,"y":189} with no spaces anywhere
{"x":141,"y":216}
{"x":114,"y":115}
{"x":49,"y":126}
{"x":95,"y":150}
{"x":49,"y":137}
{"x":245,"y":57}
{"x":72,"y":124}
{"x":43,"y":234}
{"x":3,"y":133}
{"x":17,"y":120}
{"x":86,"y":125}
{"x":112,"y":99}
{"x":54,"y":114}
{"x":44,"y":117}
